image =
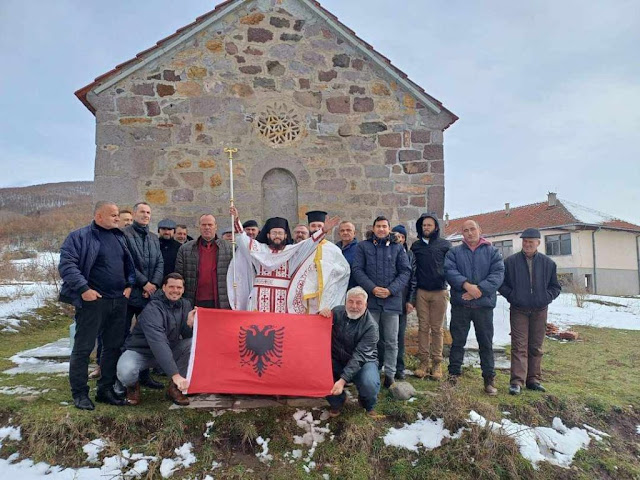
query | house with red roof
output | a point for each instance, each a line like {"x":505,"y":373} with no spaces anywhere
{"x":320,"y":119}
{"x":591,"y":248}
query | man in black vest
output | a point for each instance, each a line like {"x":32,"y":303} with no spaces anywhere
{"x":168,"y":246}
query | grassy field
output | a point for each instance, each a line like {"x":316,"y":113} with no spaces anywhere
{"x":594,"y":381}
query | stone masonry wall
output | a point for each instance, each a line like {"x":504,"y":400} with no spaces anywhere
{"x":356,"y":143}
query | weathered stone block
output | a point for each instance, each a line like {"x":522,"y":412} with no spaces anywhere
{"x":170,"y":182}
{"x":130,"y":106}
{"x":298,"y":25}
{"x":170,"y":76}
{"x":275,"y":68}
{"x":193,"y":179}
{"x":215,"y":180}
{"x":347,"y":130}
{"x":143,"y":89}
{"x":157,"y":76}
{"x":280,"y":22}
{"x":435,"y":200}
{"x":240,"y":59}
{"x":267,"y":83}
{"x":437,"y":166}
{"x":412,"y":189}
{"x":356,"y":90}
{"x":253,"y":51}
{"x":189,"y":89}
{"x":313,"y":58}
{"x":304,"y":83}
{"x":231,"y":48}
{"x":391,"y":157}
{"x":253,"y":19}
{"x":206,"y":106}
{"x":156,"y":197}
{"x":419,"y":201}
{"x":363,"y":105}
{"x":332,"y":186}
{"x":259,"y":35}
{"x":382,"y":186}
{"x":290,"y":37}
{"x":341,"y":60}
{"x":380,"y":89}
{"x":433,"y":152}
{"x":357,"y":64}
{"x":308,"y":99}
{"x":416,"y":167}
{"x":410,"y":155}
{"x":283,"y":51}
{"x":369,"y":128}
{"x":396,"y":169}
{"x":134,"y":120}
{"x":182,"y":195}
{"x":363,"y":144}
{"x":215,"y":45}
{"x":327,"y":76}
{"x":207,"y":163}
{"x":242,"y":90}
{"x":184,"y":164}
{"x":426,"y":179}
{"x":165,"y":90}
{"x":196,"y":72}
{"x":251,"y":69}
{"x":421,"y":136}
{"x":376,"y":171}
{"x":153,"y":109}
{"x":390,"y":140}
{"x":350,"y":172}
{"x":133,"y":136}
{"x":340,"y":104}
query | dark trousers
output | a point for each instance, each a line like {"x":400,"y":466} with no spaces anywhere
{"x":105,"y":316}
{"x":402,"y":328}
{"x":528,"y":328}
{"x":367,"y":381}
{"x":461,"y":318}
{"x":131,"y":312}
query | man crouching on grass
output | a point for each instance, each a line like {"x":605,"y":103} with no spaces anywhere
{"x":354,"y":352}
{"x":161,"y":337}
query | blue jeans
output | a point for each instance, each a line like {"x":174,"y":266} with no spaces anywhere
{"x":132,"y":363}
{"x":402,"y":329}
{"x":461,"y":318}
{"x":388,"y":326}
{"x":367,"y":381}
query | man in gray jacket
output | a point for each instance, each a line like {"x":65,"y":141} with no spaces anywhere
{"x":354,"y":355}
{"x":161,"y":337}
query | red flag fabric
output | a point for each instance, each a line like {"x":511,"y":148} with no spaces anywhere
{"x":242,"y":352}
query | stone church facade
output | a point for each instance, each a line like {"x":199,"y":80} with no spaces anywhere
{"x":319,"y":118}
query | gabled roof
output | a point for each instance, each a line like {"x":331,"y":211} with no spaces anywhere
{"x":541,"y":216}
{"x":105,"y":80}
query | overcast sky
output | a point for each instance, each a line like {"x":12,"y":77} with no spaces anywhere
{"x":547,"y":91}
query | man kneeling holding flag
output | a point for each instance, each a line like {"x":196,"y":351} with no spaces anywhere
{"x":354,"y":352}
{"x":161,"y":337}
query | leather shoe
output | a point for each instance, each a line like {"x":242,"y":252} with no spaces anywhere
{"x":83,"y":402}
{"x":176,"y":396}
{"x":133,"y":394}
{"x":109,"y":397}
{"x":400,"y":376}
{"x":147,"y":380}
{"x":388,"y":381}
{"x":514,"y":389}
{"x":536,"y":386}
{"x":119,"y":389}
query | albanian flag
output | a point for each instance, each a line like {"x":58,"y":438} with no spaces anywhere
{"x":242,"y":352}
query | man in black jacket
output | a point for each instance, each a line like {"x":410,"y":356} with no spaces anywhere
{"x":431,"y":295}
{"x":147,"y":256}
{"x":354,"y":352}
{"x":530,"y":285}
{"x":161,"y":337}
{"x":168,"y":246}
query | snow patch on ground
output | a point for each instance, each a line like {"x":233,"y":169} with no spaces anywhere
{"x":184,"y":458}
{"x":23,"y":297}
{"x":93,"y":449}
{"x":21,"y":390}
{"x":10,"y":433}
{"x":638,"y":429}
{"x":313,"y":436}
{"x":556,"y":445}
{"x":424,"y":432}
{"x":264,"y":455}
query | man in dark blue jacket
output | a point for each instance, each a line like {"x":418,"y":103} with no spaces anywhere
{"x":161,"y":337}
{"x":431,"y":296}
{"x":530,"y":285}
{"x":347,"y":244}
{"x":381,"y":267}
{"x":97,"y":272}
{"x":475,"y":271}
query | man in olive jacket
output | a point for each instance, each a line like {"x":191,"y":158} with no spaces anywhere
{"x":161,"y":337}
{"x":530,"y":285}
{"x":204,"y":263}
{"x":354,"y":355}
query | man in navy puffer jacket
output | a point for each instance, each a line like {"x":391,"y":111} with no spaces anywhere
{"x":475,"y":271}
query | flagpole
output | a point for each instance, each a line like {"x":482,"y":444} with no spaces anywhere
{"x":231,"y":151}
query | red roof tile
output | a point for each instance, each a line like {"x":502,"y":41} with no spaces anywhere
{"x":82,"y":92}
{"x":537,"y":215}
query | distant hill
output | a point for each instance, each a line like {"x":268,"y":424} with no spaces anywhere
{"x":48,"y":196}
{"x":44,"y":214}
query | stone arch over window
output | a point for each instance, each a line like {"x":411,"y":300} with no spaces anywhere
{"x":280,"y":195}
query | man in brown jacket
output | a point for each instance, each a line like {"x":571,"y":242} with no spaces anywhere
{"x":203,"y":263}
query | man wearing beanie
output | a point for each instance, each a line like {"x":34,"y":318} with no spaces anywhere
{"x":431,"y":296}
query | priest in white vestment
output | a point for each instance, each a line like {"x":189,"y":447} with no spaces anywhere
{"x":264,"y":267}
{"x":323,"y":278}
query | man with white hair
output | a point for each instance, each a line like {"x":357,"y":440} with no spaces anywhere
{"x":354,"y":352}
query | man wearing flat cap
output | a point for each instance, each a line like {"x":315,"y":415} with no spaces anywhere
{"x":168,"y":246}
{"x":251,"y":228}
{"x":530,"y":285}
{"x":265,"y":265}
{"x":324,"y":276}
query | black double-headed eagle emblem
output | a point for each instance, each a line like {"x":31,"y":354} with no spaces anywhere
{"x":261,"y":348}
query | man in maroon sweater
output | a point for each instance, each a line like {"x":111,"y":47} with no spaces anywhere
{"x":204,"y":263}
